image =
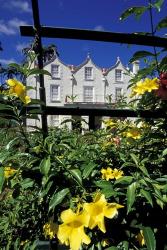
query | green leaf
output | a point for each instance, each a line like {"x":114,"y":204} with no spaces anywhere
{"x":2,"y":178}
{"x":45,"y":166}
{"x":140,"y":54}
{"x":158,"y":4}
{"x":124,"y":180}
{"x":88,"y":169}
{"x":149,"y":238}
{"x":162,"y":24}
{"x":38,"y":71}
{"x":27,"y":183}
{"x":135,"y":159}
{"x":12,"y":143}
{"x":106,"y":188}
{"x":164,"y":152}
{"x":76,"y":173}
{"x":131,"y":194}
{"x":57,"y":198}
{"x":136,"y":10}
{"x":147,"y":195}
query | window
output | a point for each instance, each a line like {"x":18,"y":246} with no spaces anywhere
{"x":55,"y":71}
{"x":88,"y":94}
{"x":118,"y":93}
{"x":55,"y":120}
{"x":88,"y":73}
{"x":55,"y":93}
{"x":118,"y":75}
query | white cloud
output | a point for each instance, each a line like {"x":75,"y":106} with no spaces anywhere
{"x":21,"y":6}
{"x":21,"y":46}
{"x":99,"y":28}
{"x":11,"y":27}
{"x":7,"y":61}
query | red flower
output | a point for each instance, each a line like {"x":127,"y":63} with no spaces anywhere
{"x":163,"y":79}
{"x":162,"y":92}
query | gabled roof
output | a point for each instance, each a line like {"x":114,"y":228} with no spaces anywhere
{"x":118,"y":62}
{"x":88,"y":59}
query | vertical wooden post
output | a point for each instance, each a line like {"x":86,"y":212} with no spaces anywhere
{"x":91,"y":122}
{"x":38,"y":48}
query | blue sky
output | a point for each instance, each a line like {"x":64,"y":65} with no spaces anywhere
{"x":88,"y":14}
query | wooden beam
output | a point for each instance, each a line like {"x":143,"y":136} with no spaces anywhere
{"x":103,"y":36}
{"x":39,"y":51}
{"x":102,"y":112}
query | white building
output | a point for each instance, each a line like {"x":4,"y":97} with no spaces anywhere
{"x":85,"y":85}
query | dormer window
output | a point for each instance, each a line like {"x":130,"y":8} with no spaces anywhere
{"x":88,"y":73}
{"x":118,"y":75}
{"x":55,"y":71}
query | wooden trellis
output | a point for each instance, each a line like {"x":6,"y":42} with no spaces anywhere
{"x":52,"y":32}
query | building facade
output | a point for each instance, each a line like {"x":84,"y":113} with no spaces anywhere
{"x":85,"y":85}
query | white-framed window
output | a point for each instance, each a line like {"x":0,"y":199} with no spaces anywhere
{"x":118,"y":93}
{"x":118,"y":75}
{"x":88,"y":94}
{"x":55,"y":70}
{"x":55,"y":120}
{"x":54,"y":93}
{"x":88,"y":73}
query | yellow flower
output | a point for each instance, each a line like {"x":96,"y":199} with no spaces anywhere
{"x":117,"y":173}
{"x":140,"y":238}
{"x":133,"y":133}
{"x":98,"y":209}
{"x":19,"y":90}
{"x":8,"y":172}
{"x":105,"y":242}
{"x":107,"y":173}
{"x":145,"y":86}
{"x":71,"y":232}
{"x":22,"y":243}
{"x":50,"y":229}
{"x":109,"y":123}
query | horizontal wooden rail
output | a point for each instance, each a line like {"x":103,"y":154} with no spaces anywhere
{"x":103,"y":36}
{"x":102,"y":112}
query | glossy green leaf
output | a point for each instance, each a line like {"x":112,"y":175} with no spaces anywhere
{"x":147,"y":195}
{"x":158,"y":4}
{"x":2,"y":178}
{"x":76,"y":173}
{"x":27,"y":183}
{"x":162,"y":24}
{"x":106,"y":188}
{"x":136,"y":10}
{"x":139,"y":55}
{"x":45,"y":166}
{"x":38,"y":71}
{"x":57,"y":198}
{"x":88,"y":169}
{"x":149,"y":238}
{"x":131,"y":194}
{"x":124,"y":180}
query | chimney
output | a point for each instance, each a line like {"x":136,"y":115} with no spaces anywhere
{"x":135,"y":67}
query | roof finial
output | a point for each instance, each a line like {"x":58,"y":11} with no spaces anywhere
{"x":88,"y":55}
{"x":118,"y":59}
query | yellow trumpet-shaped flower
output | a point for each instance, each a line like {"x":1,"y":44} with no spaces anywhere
{"x":8,"y":172}
{"x":71,"y":232}
{"x":19,"y":90}
{"x":117,"y":173}
{"x":98,"y":209}
{"x":133,"y":133}
{"x":145,"y":86}
{"x":50,"y":229}
{"x":140,"y":238}
{"x":110,"y":173}
{"x":107,"y":174}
